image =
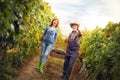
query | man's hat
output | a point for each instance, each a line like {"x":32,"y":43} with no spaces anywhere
{"x":71,"y":24}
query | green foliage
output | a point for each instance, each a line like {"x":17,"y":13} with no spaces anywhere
{"x":101,"y":48}
{"x":21,"y":24}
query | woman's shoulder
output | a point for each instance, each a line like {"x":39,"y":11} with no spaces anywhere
{"x":47,"y":27}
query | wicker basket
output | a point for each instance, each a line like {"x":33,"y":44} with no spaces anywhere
{"x":57,"y":54}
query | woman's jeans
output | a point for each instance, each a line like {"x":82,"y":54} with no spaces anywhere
{"x":45,"y":51}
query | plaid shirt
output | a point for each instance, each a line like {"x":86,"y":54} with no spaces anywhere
{"x":74,"y":36}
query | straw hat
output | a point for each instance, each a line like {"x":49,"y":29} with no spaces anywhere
{"x":71,"y":24}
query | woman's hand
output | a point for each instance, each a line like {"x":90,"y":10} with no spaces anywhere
{"x":40,"y":40}
{"x":40,"y":43}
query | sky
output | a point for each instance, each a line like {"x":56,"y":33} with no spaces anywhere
{"x":88,"y":13}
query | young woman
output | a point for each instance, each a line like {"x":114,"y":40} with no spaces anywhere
{"x":47,"y":41}
{"x":72,"y":50}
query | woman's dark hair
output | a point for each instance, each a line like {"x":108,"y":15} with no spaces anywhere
{"x":53,"y":20}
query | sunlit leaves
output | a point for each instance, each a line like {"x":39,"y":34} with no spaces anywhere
{"x":102,"y":51}
{"x":22,"y":22}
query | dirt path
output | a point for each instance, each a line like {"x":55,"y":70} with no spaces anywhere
{"x":52,"y":71}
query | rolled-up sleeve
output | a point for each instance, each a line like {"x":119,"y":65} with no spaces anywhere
{"x":78,"y":40}
{"x":45,"y":31}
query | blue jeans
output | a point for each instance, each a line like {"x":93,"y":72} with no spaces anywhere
{"x":45,"y":50}
{"x":68,"y":64}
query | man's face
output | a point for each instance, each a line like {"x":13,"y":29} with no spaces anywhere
{"x":74,"y":27}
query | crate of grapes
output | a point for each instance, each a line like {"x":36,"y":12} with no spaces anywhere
{"x":57,"y":54}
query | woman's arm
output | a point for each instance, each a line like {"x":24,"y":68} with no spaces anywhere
{"x":45,"y":31}
{"x":41,"y":38}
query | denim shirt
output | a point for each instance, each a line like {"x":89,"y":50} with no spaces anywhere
{"x":50,"y":35}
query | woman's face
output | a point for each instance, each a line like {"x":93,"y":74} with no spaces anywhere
{"x":55,"y":22}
